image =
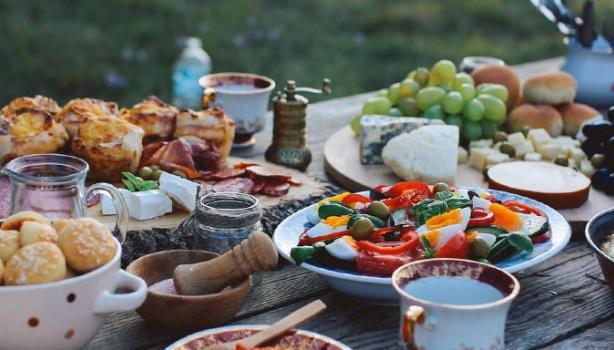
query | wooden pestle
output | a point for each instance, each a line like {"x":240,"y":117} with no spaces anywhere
{"x":256,"y":253}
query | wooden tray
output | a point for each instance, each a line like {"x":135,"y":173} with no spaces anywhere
{"x":310,"y":187}
{"x":342,"y":163}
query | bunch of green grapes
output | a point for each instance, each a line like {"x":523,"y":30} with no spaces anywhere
{"x":443,"y":93}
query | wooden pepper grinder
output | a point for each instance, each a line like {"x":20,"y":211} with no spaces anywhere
{"x":256,"y":253}
{"x":289,"y":113}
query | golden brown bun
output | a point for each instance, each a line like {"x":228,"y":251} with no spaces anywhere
{"x":15,"y":221}
{"x":211,"y":125}
{"x":109,"y":145}
{"x":77,"y":110}
{"x":37,"y":103}
{"x":34,"y":132}
{"x":33,"y":232}
{"x":9,"y":244}
{"x":1,"y":272}
{"x":58,"y":225}
{"x":535,"y":116}
{"x":87,"y":244}
{"x":155,"y":117}
{"x":36,"y":263}
{"x":503,"y":75}
{"x":574,"y":115}
{"x":550,"y":88}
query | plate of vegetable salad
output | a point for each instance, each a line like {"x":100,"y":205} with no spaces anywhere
{"x":357,"y":240}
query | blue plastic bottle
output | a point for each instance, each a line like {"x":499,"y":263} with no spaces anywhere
{"x":193,"y":63}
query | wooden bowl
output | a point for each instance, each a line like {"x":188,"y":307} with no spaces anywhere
{"x":185,"y":312}
{"x":597,"y":231}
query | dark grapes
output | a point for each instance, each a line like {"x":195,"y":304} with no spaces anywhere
{"x":600,"y":177}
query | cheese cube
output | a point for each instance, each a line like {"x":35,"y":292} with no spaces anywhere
{"x":497,"y":146}
{"x":586,"y":167}
{"x":485,"y":143}
{"x":516,"y":138}
{"x":524,"y":148}
{"x":550,"y":150}
{"x":143,"y":205}
{"x":576,"y":155}
{"x":532,"y":157}
{"x":462,"y":155}
{"x":183,"y":192}
{"x":477,"y":157}
{"x":496,"y":158}
{"x":538,"y":136}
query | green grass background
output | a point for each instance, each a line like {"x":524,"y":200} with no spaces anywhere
{"x":66,"y":49}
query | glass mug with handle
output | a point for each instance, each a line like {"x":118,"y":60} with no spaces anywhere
{"x":53,"y":185}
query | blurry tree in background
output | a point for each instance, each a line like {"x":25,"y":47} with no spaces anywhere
{"x":123,"y":50}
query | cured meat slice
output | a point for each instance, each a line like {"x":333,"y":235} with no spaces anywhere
{"x":258,"y":170}
{"x":237,"y":184}
{"x":226,"y":173}
{"x":276,"y":188}
{"x":243,"y":165}
{"x":259,"y":183}
{"x":294,"y":182}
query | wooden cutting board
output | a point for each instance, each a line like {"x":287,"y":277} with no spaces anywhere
{"x":310,"y":187}
{"x":342,"y":163}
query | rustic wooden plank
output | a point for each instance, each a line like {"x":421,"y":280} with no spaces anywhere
{"x":598,"y":337}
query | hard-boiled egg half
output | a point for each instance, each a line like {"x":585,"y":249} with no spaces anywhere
{"x":440,"y":228}
{"x":343,"y":248}
{"x":329,"y":225}
{"x":478,"y":202}
{"x":312,"y":214}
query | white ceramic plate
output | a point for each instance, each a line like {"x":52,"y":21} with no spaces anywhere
{"x":379,"y":289}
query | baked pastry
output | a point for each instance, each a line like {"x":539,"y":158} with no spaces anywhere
{"x":77,"y":110}
{"x":58,"y":225}
{"x":574,"y":115}
{"x":15,"y":221}
{"x":36,"y":263}
{"x":550,"y":88}
{"x":211,"y":125}
{"x":535,"y":117}
{"x":155,"y":117}
{"x":1,"y":271}
{"x":37,"y":103}
{"x":503,"y":75}
{"x":109,"y":145}
{"x":32,"y":232}
{"x":87,"y":244}
{"x":9,"y":244}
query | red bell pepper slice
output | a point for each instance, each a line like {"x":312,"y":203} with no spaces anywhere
{"x":406,"y":200}
{"x":306,"y":240}
{"x":354,"y":197}
{"x":481,"y":217}
{"x":456,"y":247}
{"x":522,"y":208}
{"x":389,"y":248}
{"x":542,"y":238}
{"x":407,"y":186}
{"x":377,"y":235}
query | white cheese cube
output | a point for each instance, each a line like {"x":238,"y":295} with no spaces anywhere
{"x":538,"y":136}
{"x":533,"y":157}
{"x":143,"y":205}
{"x":496,"y":158}
{"x":586,"y":167}
{"x":550,"y":150}
{"x":516,"y":138}
{"x":485,"y":143}
{"x":462,"y":155}
{"x":497,"y":146}
{"x":477,"y":157}
{"x":183,"y":192}
{"x":524,"y":148}
{"x":576,"y":155}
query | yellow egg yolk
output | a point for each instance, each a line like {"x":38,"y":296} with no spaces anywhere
{"x":336,"y":221}
{"x":349,"y":240}
{"x":433,"y":237}
{"x":505,"y":217}
{"x":338,"y":197}
{"x":445,"y":219}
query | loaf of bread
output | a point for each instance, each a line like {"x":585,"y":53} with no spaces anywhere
{"x":550,"y":88}
{"x":535,"y":117}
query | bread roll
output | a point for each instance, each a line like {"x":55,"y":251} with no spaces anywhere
{"x":58,"y":225}
{"x":14,"y":221}
{"x":550,"y":88}
{"x":574,"y":115}
{"x":1,"y":272}
{"x":503,"y":75}
{"x":535,"y":117}
{"x":36,"y":263}
{"x":9,"y":244}
{"x":87,"y":244}
{"x":33,"y":232}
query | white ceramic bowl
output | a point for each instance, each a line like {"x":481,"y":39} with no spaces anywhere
{"x":66,"y":314}
{"x":379,"y":290}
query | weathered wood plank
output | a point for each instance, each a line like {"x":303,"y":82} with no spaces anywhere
{"x":598,"y":337}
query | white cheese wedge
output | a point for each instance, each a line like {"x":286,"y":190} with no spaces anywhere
{"x":538,"y":136}
{"x":496,"y":158}
{"x":516,"y":139}
{"x":533,"y":157}
{"x":462,"y":155}
{"x":477,"y":157}
{"x":550,"y":150}
{"x":429,"y":154}
{"x":586,"y":168}
{"x":485,"y":143}
{"x":141,"y":205}
{"x":524,"y":148}
{"x":183,"y":192}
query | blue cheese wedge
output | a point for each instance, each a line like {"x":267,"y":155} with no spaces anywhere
{"x":183,"y":192}
{"x":141,"y":205}
{"x":377,"y":130}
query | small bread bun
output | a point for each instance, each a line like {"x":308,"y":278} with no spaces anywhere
{"x":550,"y":88}
{"x":9,"y":244}
{"x":87,"y":244}
{"x":503,"y":75}
{"x":535,"y":117}
{"x":14,"y":221}
{"x":58,"y":225}
{"x":574,"y":115}
{"x":1,"y":272}
{"x":32,"y":232}
{"x":36,"y":263}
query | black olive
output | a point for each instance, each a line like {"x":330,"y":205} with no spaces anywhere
{"x":609,"y":184}
{"x":611,"y":114}
{"x":608,"y":152}
{"x":600,"y":177}
{"x":375,"y":196}
{"x":472,"y":194}
{"x":591,"y":147}
{"x":598,"y":131}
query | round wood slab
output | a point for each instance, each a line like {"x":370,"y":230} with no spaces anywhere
{"x":342,"y":163}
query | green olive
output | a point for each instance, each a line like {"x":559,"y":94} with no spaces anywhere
{"x":156,"y":174}
{"x":597,"y":160}
{"x":145,"y":172}
{"x":525,"y":130}
{"x":441,"y":187}
{"x":500,"y":136}
{"x":378,"y":209}
{"x":561,"y":160}
{"x":362,"y":229}
{"x":479,"y":248}
{"x":180,"y":174}
{"x":154,"y":167}
{"x":507,"y":148}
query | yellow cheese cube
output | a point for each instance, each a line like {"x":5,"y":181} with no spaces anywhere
{"x":533,"y":157}
{"x":516,"y":138}
{"x":550,"y":150}
{"x":496,"y":158}
{"x":486,"y":143}
{"x":462,"y":155}
{"x":524,"y":148}
{"x":477,"y":157}
{"x":538,"y":136}
{"x":586,"y":167}
{"x":576,"y":155}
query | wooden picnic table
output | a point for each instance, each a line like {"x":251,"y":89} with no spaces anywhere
{"x":564,"y":302}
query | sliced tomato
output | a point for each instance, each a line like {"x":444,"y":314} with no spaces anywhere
{"x":306,"y":240}
{"x":523,"y":208}
{"x":408,"y":186}
{"x":384,"y":265}
{"x":406,"y":200}
{"x":481,"y":217}
{"x":354,"y":197}
{"x":456,"y":247}
{"x":389,"y":248}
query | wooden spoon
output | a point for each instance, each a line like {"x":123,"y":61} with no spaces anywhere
{"x":276,"y":329}
{"x":256,"y":253}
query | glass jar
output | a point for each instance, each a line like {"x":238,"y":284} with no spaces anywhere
{"x":222,"y":220}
